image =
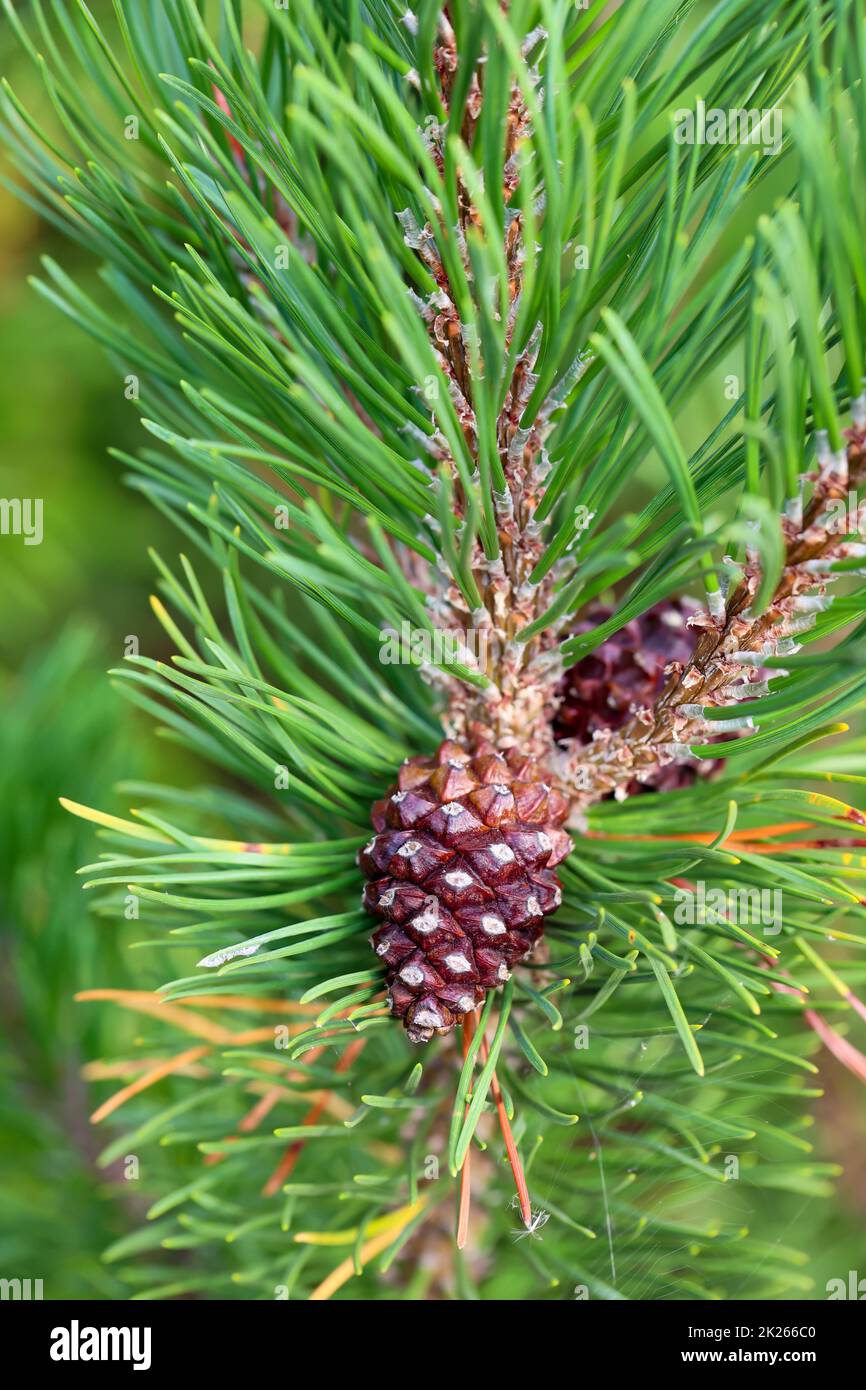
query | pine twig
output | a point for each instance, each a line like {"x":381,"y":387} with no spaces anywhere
{"x":466,"y":1170}
{"x":510,"y":1145}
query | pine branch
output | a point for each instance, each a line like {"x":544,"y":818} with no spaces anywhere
{"x":360,"y":209}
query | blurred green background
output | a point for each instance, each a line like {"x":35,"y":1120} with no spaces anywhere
{"x":68,"y":606}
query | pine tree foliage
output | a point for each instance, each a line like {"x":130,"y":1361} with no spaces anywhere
{"x":432,"y":293}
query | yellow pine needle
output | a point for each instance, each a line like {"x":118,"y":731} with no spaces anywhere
{"x":251,"y":1004}
{"x":141,"y":832}
{"x":162,"y":1069}
{"x":830,"y":976}
{"x":168,"y":624}
{"x":369,"y":1250}
{"x":393,"y":1219}
{"x":142,"y":1001}
{"x":131,"y":1066}
{"x":127,"y":827}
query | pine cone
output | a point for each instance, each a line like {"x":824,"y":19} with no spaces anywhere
{"x":461,"y":870}
{"x":625,"y":673}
